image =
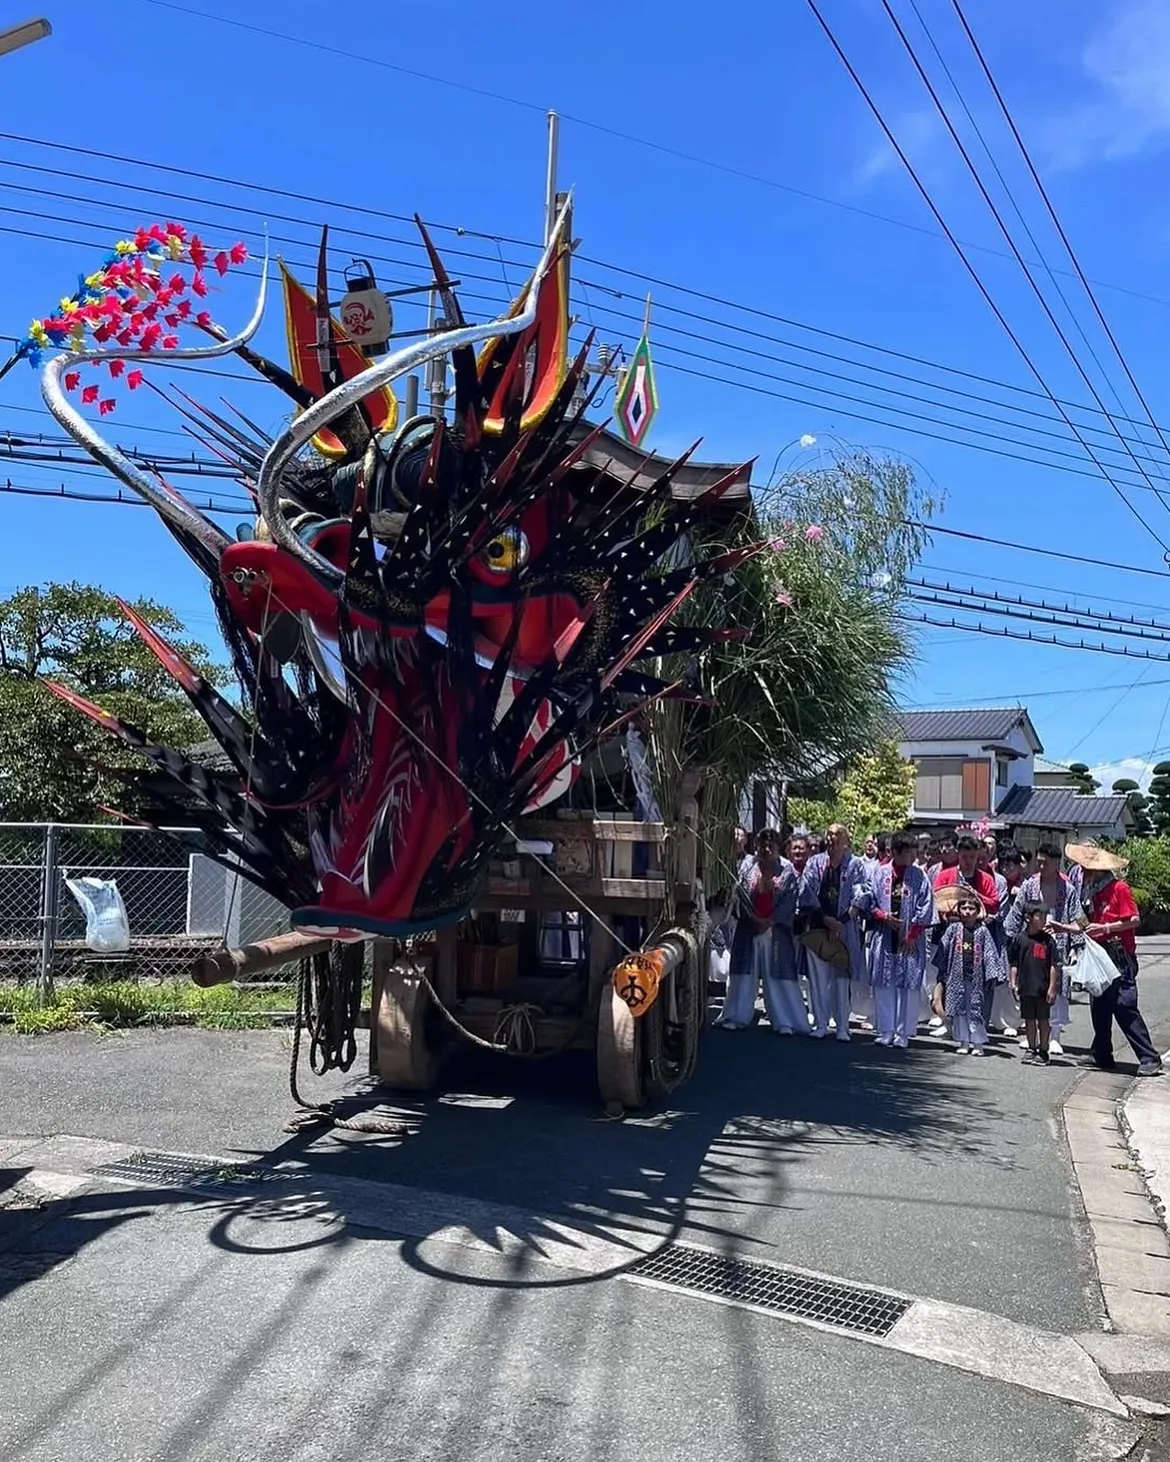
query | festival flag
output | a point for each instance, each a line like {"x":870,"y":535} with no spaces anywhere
{"x":637,"y":398}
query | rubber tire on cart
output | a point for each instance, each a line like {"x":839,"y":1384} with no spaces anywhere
{"x":619,"y":1053}
{"x":406,"y":1056}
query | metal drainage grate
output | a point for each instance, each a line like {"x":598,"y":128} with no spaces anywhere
{"x":866,"y":1311}
{"x":173,"y":1170}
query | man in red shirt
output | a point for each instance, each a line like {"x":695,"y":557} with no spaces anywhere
{"x":1114,"y":920}
{"x":967,"y":871}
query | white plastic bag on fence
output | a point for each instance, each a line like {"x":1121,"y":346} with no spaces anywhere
{"x":107,"y":929}
{"x":1094,"y":970}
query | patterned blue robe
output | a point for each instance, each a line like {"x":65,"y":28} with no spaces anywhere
{"x":855,"y":892}
{"x":785,"y":882}
{"x":886,"y":965}
{"x":964,"y":993}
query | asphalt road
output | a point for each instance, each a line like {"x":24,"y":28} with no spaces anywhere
{"x":922,"y":1171}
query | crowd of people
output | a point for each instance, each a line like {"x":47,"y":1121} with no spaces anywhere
{"x":964,"y":936}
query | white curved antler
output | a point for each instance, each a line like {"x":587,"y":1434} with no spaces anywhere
{"x":170,"y":507}
{"x":349,"y":393}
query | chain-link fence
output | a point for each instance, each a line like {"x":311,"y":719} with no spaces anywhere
{"x":179,"y":902}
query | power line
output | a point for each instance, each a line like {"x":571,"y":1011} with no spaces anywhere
{"x":1010,"y":241}
{"x":1100,"y":563}
{"x":1004,"y":633}
{"x":1055,"y":217}
{"x":1101,"y":614}
{"x":593,"y":126}
{"x":463,"y":232}
{"x":989,"y":604}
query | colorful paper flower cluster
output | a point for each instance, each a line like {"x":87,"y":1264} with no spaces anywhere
{"x":133,"y":300}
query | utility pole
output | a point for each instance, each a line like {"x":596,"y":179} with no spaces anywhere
{"x":550,"y":179}
{"x":437,"y":389}
{"x":14,"y":37}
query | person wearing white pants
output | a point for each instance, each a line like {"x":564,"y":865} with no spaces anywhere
{"x":765,"y":898}
{"x":835,"y":895}
{"x":903,"y":913}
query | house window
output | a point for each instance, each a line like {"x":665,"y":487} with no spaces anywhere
{"x":1000,"y":772}
{"x":952,"y":784}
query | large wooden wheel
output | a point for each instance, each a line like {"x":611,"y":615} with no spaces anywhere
{"x":619,"y":1053}
{"x":405,"y":1055}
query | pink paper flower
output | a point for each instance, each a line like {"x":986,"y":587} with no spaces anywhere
{"x":813,"y":534}
{"x":778,"y":545}
{"x":782,"y":597}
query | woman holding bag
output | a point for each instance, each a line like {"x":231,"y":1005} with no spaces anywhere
{"x":1114,"y":920}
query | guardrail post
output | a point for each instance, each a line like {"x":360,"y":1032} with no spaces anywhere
{"x":48,"y":914}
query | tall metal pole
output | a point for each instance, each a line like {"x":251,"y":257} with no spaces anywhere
{"x":48,"y":914}
{"x":411,"y":397}
{"x":550,"y":180}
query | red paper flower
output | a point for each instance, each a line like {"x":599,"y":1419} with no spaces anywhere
{"x":125,"y":337}
{"x":177,"y":230}
{"x":222,"y":262}
{"x":172,"y":319}
{"x":197,"y":251}
{"x":89,"y":395}
{"x":142,"y":238}
{"x":170,"y":342}
{"x":151,"y":336}
{"x":116,"y":368}
{"x":72,"y":380}
{"x":177,"y":283}
{"x":106,"y":406}
{"x":183,"y":309}
{"x":199,"y":286}
{"x":238,"y":253}
{"x":134,"y":380}
{"x":203,"y":319}
{"x":102,"y":334}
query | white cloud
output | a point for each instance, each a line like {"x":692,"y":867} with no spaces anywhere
{"x":916,"y":133}
{"x":1136,"y":768}
{"x":1127,"y":64}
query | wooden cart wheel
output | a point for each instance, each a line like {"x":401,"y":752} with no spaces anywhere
{"x":619,"y":1053}
{"x":406,"y":1058}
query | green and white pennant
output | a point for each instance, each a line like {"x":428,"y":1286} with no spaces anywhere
{"x":637,"y":397}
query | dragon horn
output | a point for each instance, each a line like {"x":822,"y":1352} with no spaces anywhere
{"x":349,"y":393}
{"x":177,"y":512}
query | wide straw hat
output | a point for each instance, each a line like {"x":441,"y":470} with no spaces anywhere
{"x":1094,"y":859}
{"x":948,"y":898}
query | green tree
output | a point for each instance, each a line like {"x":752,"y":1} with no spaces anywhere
{"x":1082,"y":778}
{"x":52,"y":759}
{"x":876,"y":791}
{"x":1159,"y":797}
{"x":1142,"y":825}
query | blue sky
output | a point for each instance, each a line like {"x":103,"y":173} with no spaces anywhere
{"x":763,"y":98}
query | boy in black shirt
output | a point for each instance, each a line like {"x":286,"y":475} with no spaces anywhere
{"x":1035,"y":977}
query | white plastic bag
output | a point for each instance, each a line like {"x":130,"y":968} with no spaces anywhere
{"x":107,"y":929}
{"x":1095,"y":971}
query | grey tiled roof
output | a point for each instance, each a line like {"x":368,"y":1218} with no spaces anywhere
{"x":959,"y":725}
{"x":1058,"y":807}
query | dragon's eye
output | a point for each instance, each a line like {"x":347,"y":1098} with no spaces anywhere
{"x":507,"y":552}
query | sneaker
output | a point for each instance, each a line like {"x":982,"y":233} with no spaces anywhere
{"x":785,"y":1030}
{"x":884,"y":1040}
{"x":935,"y":1022}
{"x":1055,"y":1048}
{"x":843,"y":1035}
{"x":901,"y":1042}
{"x":1150,"y":1068}
{"x":978,"y":1051}
{"x":1023,"y":1043}
{"x":1033,"y":1058}
{"x":1010,"y":1031}
{"x":961,"y":1050}
{"x":1091,"y":1061}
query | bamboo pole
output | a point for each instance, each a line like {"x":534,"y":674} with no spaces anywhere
{"x":252,"y":959}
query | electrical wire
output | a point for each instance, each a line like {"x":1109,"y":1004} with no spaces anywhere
{"x":1101,"y":614}
{"x":585,"y":122}
{"x":1009,"y":239}
{"x":463,"y":232}
{"x":1055,"y":217}
{"x":1003,"y":633}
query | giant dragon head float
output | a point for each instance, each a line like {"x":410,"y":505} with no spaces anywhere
{"x":434,"y":621}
